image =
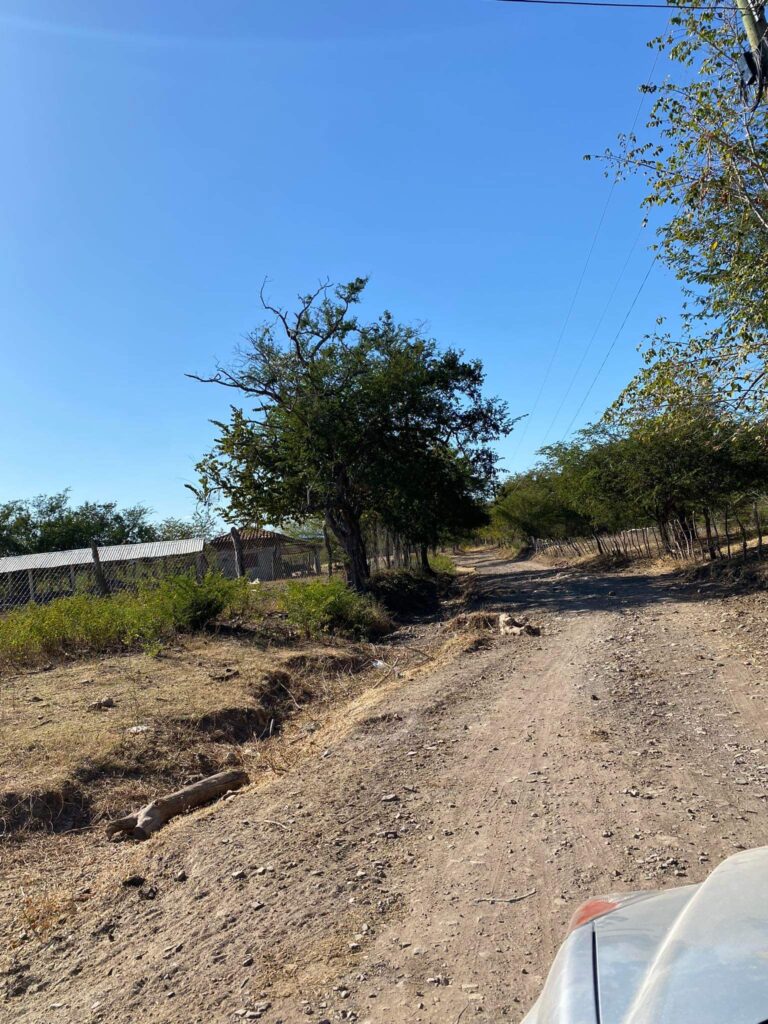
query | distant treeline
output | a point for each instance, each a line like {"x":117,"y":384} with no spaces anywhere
{"x":682,"y":471}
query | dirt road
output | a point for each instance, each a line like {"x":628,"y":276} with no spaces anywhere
{"x":624,"y":748}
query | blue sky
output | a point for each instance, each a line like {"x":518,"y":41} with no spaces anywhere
{"x":161,"y":160}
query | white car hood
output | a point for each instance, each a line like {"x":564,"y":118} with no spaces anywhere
{"x":691,"y":955}
{"x":711,"y":963}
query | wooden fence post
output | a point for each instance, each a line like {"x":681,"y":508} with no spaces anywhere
{"x":759,"y":526}
{"x":328,"y":549}
{"x":101,"y":580}
{"x":237,"y":544}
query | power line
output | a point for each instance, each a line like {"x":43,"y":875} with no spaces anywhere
{"x":617,"y":3}
{"x":588,"y":347}
{"x":560,"y":336}
{"x":589,"y":344}
{"x":611,"y":347}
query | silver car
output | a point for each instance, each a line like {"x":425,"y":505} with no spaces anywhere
{"x":697,"y":954}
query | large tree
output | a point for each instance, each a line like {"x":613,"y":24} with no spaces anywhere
{"x":344,"y":418}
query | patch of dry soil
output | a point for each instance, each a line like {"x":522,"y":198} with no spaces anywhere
{"x":624,"y":748}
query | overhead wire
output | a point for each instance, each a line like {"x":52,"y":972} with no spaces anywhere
{"x":611,"y":347}
{"x":561,"y":334}
{"x":577,"y":291}
{"x":630,"y":6}
{"x":588,"y":347}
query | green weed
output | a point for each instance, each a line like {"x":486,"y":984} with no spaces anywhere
{"x":442,"y":564}
{"x":84,"y":624}
{"x":320,"y":606}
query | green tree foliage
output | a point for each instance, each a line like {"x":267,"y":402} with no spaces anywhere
{"x":534,"y":504}
{"x":349,"y":418}
{"x":52,"y":523}
{"x":665,"y":469}
{"x":705,"y":160}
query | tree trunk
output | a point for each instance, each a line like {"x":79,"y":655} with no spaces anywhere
{"x":717,"y":538}
{"x":665,"y":541}
{"x":426,"y":568}
{"x":710,"y":540}
{"x":743,"y":533}
{"x":346,"y":528}
{"x":237,"y":545}
{"x":759,"y":526}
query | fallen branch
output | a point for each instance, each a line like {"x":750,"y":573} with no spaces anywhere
{"x":501,"y":899}
{"x":149,"y":819}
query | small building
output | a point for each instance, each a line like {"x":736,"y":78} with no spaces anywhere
{"x":266,"y":554}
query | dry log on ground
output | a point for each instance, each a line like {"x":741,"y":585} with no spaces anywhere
{"x":149,"y":819}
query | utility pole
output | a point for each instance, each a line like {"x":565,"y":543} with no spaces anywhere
{"x":756,"y":62}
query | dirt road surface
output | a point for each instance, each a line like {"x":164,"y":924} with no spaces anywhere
{"x":624,"y":748}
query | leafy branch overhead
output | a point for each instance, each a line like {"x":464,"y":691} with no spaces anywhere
{"x":705,"y":160}
{"x":342,"y":418}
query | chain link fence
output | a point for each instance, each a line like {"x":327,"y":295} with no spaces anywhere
{"x":45,"y":577}
{"x":256,"y":554}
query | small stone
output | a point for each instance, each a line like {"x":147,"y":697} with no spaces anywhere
{"x":102,"y":705}
{"x":134,"y":881}
{"x":180,"y":876}
{"x":240,"y":873}
{"x":389,"y":798}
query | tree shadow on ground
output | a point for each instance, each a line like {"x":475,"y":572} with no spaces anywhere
{"x":530,"y":586}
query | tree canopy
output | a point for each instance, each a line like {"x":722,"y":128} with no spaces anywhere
{"x":705,"y":160}
{"x":50,"y":522}
{"x":667,"y":469}
{"x":346,"y":418}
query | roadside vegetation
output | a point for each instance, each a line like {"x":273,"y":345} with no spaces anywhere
{"x":84,"y":624}
{"x":690,"y":472}
{"x":319,"y":607}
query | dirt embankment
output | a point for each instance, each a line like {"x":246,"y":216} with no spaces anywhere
{"x":625,"y":747}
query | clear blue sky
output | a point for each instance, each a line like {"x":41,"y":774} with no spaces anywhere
{"x":161,"y":159}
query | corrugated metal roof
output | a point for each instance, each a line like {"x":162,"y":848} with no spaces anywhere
{"x":255,"y":536}
{"x":109,"y":553}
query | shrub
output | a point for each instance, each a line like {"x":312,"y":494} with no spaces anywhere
{"x":443,"y":564}
{"x":191,"y":605}
{"x":86,"y":624}
{"x":320,"y":606}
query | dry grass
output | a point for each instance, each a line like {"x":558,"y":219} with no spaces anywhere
{"x":191,"y":709}
{"x":331,"y":688}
